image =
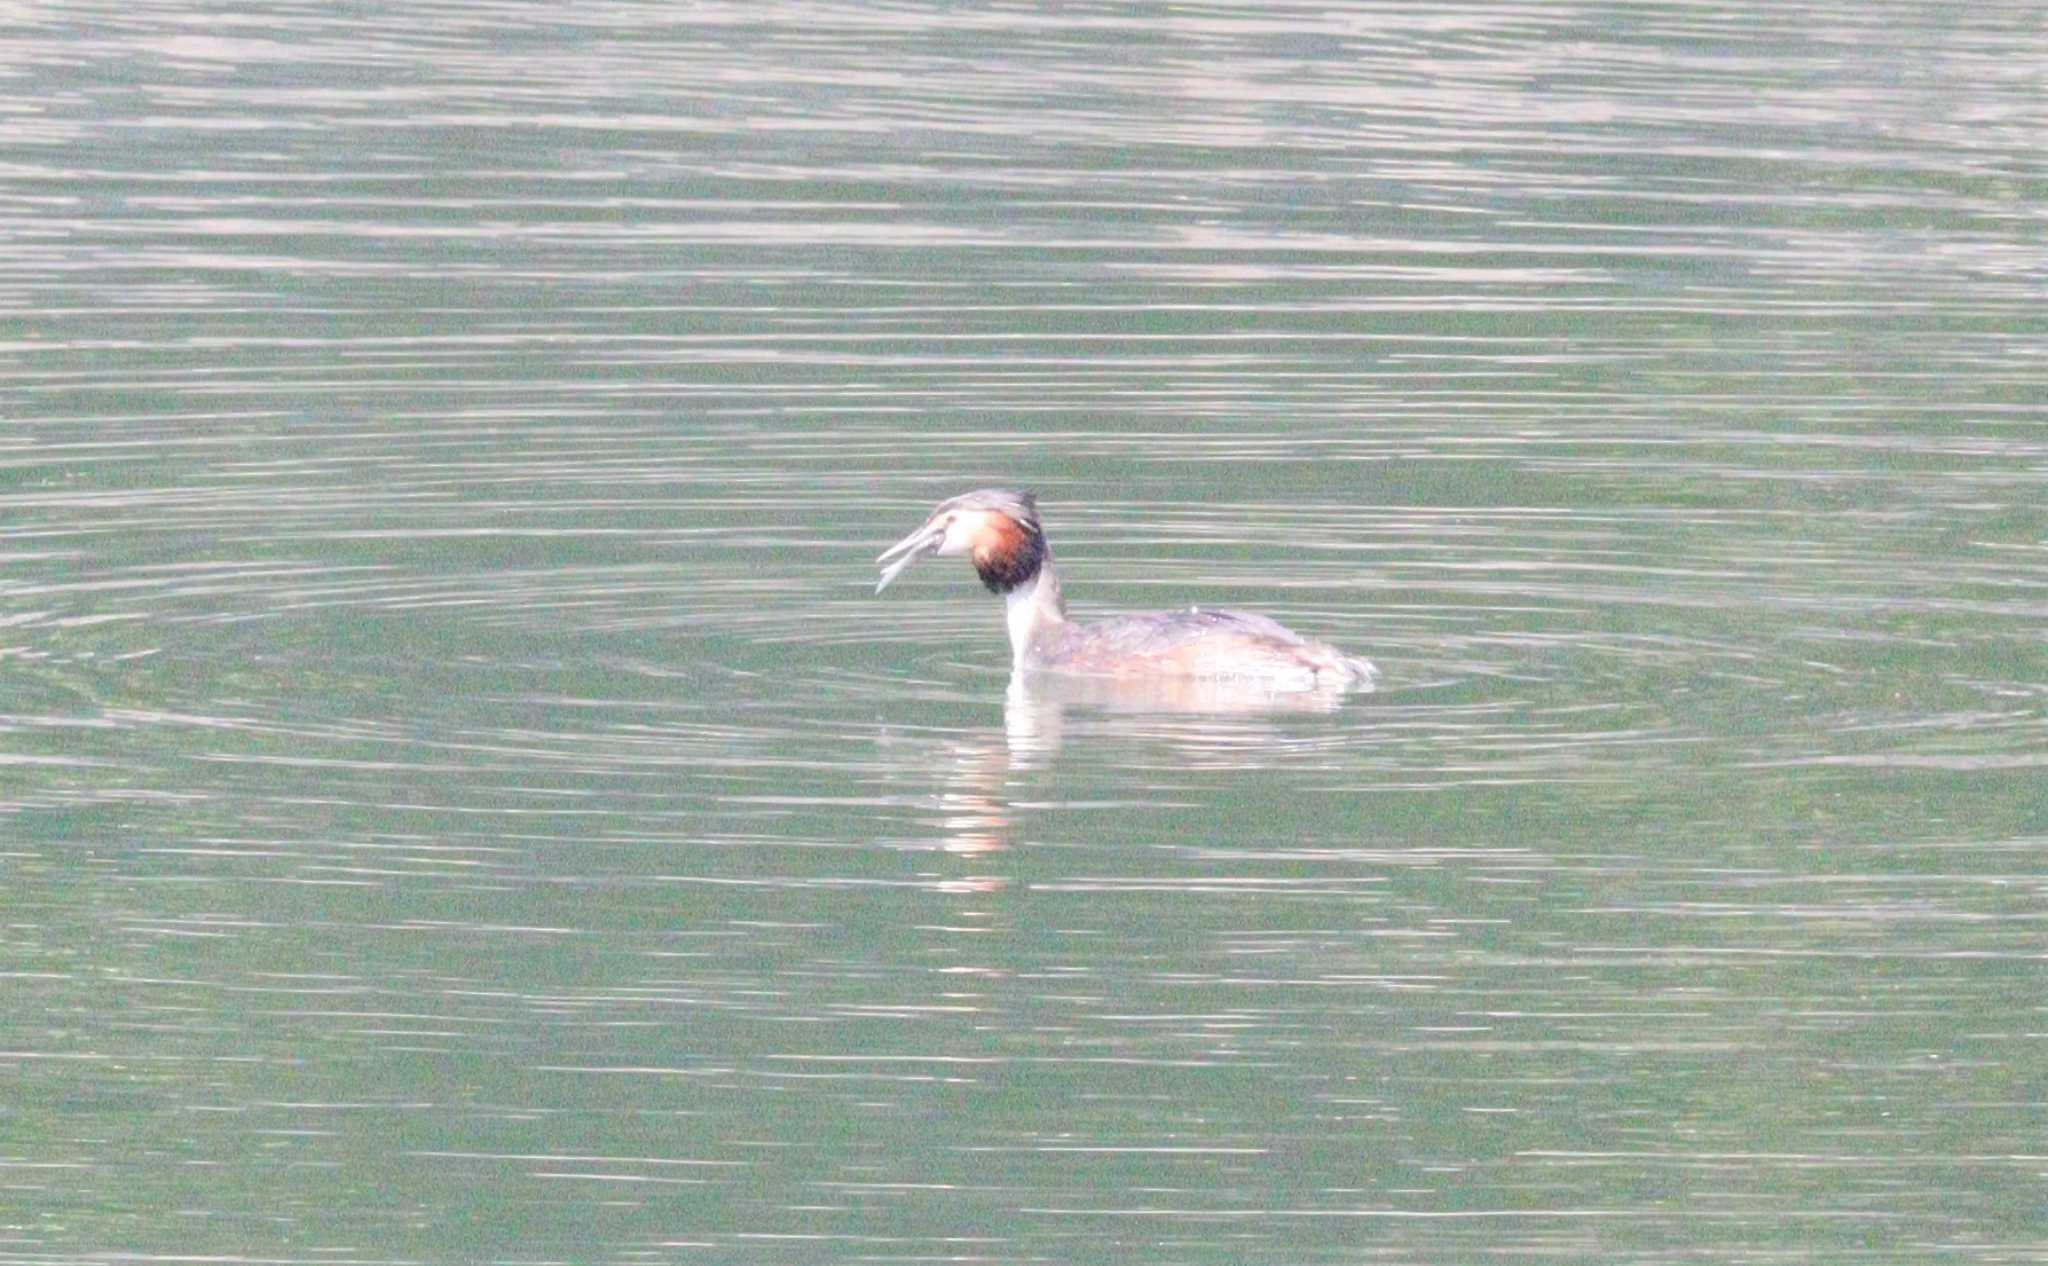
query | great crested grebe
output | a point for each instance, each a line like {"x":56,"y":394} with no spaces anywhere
{"x":998,"y":530}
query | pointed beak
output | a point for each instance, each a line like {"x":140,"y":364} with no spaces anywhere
{"x":899,"y":557}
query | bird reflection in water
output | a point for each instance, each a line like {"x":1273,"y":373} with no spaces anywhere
{"x":1205,"y":720}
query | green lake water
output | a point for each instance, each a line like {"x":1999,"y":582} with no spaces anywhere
{"x":461,"y":800}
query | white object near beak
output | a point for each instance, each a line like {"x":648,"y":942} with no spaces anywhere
{"x":922,"y":543}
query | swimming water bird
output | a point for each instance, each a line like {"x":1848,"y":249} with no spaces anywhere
{"x":999,"y":531}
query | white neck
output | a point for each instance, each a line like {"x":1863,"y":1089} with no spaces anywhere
{"x":1035,"y":611}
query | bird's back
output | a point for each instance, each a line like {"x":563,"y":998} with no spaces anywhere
{"x":1203,"y":643}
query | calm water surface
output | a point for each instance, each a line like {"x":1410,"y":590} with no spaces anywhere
{"x":463,"y":802}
